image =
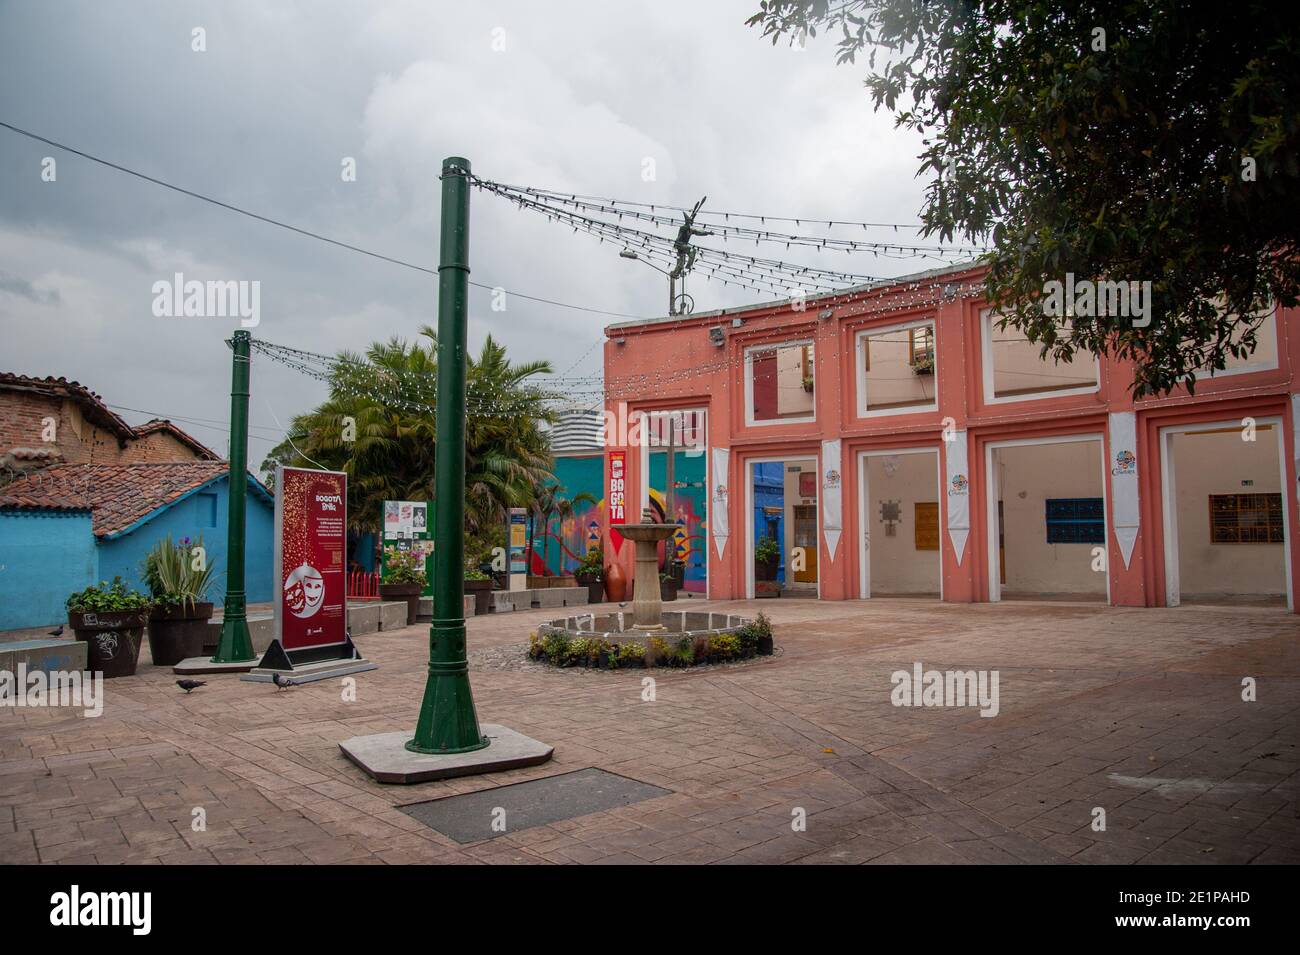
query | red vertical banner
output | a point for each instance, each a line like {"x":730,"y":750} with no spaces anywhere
{"x":616,"y":499}
{"x":311,"y":527}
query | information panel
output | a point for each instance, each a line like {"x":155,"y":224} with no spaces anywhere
{"x":311,"y":520}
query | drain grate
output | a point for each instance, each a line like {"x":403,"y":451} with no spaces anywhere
{"x":469,"y":817}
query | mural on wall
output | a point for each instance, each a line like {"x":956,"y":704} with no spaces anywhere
{"x":566,"y":541}
{"x":690,"y":505}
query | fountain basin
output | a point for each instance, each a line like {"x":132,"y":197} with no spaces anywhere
{"x":619,"y":626}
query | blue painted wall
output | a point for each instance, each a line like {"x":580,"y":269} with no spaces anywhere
{"x":769,"y":491}
{"x":201,"y":513}
{"x":44,"y":556}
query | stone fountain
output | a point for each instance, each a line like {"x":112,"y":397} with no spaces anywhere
{"x":647,"y":618}
{"x":647,"y":607}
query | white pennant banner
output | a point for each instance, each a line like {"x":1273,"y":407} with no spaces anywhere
{"x":957,"y":484}
{"x":832,"y":501}
{"x":718,"y":499}
{"x":1124,"y":510}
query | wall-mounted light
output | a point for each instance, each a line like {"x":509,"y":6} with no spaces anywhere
{"x":825,"y":313}
{"x":716,"y":336}
{"x":620,"y":341}
{"x":737,"y":322}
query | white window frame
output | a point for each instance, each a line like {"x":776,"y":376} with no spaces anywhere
{"x":750,"y":420}
{"x":986,"y":351}
{"x":861,"y":374}
{"x":1251,"y":367}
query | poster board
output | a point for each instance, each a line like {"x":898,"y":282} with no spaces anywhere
{"x":311,"y":542}
{"x":518,"y":546}
{"x":408,"y":526}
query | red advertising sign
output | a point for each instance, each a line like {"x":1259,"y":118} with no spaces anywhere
{"x":311,"y":520}
{"x":616,"y":499}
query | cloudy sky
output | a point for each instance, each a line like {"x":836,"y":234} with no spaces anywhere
{"x":571,"y":96}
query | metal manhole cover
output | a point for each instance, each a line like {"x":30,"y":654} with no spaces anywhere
{"x":470,"y":816}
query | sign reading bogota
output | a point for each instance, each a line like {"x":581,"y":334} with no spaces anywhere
{"x":311,"y":519}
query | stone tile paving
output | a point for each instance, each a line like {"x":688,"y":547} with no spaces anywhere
{"x":1136,"y":711}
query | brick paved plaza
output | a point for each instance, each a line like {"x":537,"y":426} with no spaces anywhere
{"x":1136,"y":711}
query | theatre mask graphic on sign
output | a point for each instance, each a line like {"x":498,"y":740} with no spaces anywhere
{"x":304,"y":589}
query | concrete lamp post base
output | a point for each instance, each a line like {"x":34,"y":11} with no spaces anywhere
{"x":195,"y":666}
{"x":385,"y":758}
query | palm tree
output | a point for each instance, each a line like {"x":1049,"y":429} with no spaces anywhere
{"x":389,"y":395}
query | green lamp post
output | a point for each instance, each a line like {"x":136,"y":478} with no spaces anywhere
{"x":236,"y":646}
{"x":448,"y":722}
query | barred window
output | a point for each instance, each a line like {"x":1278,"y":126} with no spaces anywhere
{"x":1246,"y":519}
{"x":1076,"y":520}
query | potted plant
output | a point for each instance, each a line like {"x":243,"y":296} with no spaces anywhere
{"x":591,"y":574}
{"x":178,"y":579}
{"x":767,"y":558}
{"x":808,"y":383}
{"x":110,"y":620}
{"x":480,"y":585}
{"x":923,"y":364}
{"x":405,"y":581}
{"x":667,"y":587}
{"x":759,"y":630}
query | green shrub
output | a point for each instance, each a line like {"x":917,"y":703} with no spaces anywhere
{"x":767,"y":549}
{"x":631,"y":654}
{"x":557,"y":648}
{"x":108,"y":598}
{"x":683,"y":653}
{"x":752,"y":632}
{"x":657,"y":652}
{"x":724,"y":646}
{"x":171,"y":576}
{"x":592,"y":565}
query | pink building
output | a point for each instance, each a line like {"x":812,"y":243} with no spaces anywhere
{"x":893,"y":441}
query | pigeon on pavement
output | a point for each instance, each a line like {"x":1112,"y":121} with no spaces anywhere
{"x":58,"y":632}
{"x":283,"y":682}
{"x":188,"y":685}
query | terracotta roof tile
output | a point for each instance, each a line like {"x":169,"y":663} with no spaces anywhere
{"x":117,"y":495}
{"x":93,"y":404}
{"x":162,"y":424}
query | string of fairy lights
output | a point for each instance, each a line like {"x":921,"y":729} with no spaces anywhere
{"x":616,"y":221}
{"x":415,"y":390}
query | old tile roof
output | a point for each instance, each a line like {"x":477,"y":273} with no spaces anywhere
{"x":92,"y":405}
{"x":184,"y":437}
{"x":118,"y":495}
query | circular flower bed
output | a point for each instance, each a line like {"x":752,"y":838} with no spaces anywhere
{"x":576,"y":641}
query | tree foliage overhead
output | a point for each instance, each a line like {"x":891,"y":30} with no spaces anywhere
{"x":1134,"y":141}
{"x":388,"y":395}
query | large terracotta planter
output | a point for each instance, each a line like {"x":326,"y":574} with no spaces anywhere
{"x":408,"y":592}
{"x":482,"y":591}
{"x":112,"y":640}
{"x":615,"y":583}
{"x":177,"y":632}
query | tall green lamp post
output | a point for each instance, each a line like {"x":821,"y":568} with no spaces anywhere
{"x":236,"y":646}
{"x":448,"y":722}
